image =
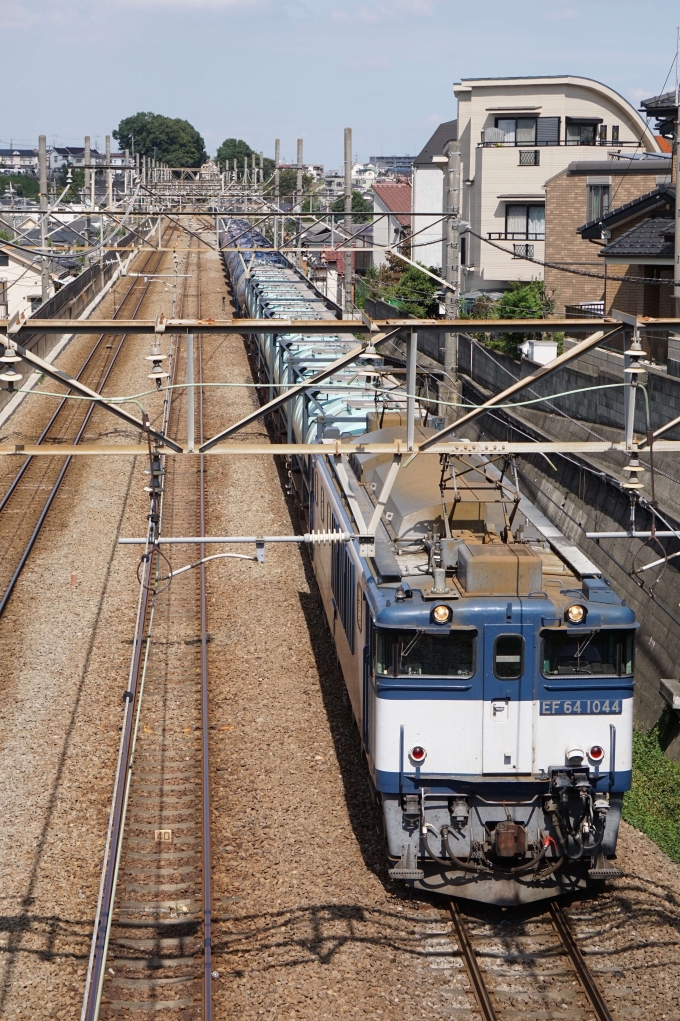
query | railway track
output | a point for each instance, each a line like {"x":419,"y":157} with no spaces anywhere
{"x":152,"y":947}
{"x":527,"y":967}
{"x":27,"y":501}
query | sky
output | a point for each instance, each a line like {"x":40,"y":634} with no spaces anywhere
{"x":262,"y":69}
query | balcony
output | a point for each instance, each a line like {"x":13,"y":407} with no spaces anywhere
{"x":514,"y":236}
{"x":598,"y":143}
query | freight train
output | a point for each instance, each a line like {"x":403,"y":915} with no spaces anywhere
{"x":489,"y":664}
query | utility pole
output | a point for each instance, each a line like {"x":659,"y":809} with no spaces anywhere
{"x":451,"y":264}
{"x":86,"y":161}
{"x":347,"y":285}
{"x":42,"y":165}
{"x":674,"y":178}
{"x":277,"y":190}
{"x":298,"y":199}
{"x":126,"y":173}
{"x":87,"y":189}
{"x":109,"y":175}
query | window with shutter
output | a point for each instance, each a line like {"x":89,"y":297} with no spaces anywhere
{"x":548,"y":131}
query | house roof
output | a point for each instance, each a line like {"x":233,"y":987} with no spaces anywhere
{"x":446,"y":132}
{"x":654,"y":165}
{"x":656,"y":105}
{"x":18,"y":152}
{"x":662,"y":197}
{"x":396,"y":198}
{"x":74,"y":150}
{"x":654,"y":238}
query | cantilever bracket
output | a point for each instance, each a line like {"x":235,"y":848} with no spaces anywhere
{"x":84,"y":391}
{"x":385,"y":493}
{"x":294,"y":391}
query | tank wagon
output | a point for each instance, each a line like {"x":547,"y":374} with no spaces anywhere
{"x":488,"y":663}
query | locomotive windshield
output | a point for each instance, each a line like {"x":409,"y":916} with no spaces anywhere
{"x":415,"y":653}
{"x":593,"y":652}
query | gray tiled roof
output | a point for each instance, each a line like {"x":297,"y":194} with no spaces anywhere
{"x":662,"y":196}
{"x":446,"y":132}
{"x":653,"y":238}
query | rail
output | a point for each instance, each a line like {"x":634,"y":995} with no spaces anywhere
{"x":15,"y":486}
{"x":114,"y":864}
{"x":490,"y":1006}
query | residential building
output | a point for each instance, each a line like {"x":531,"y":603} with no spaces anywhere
{"x":313,"y":170}
{"x":19,"y":161}
{"x":364,"y":176}
{"x":515,"y":134}
{"x":588,"y":203}
{"x":392,"y":222}
{"x":428,"y":192}
{"x":392,"y":164}
{"x":21,"y":283}
{"x":333,"y":187}
{"x":72,"y":155}
{"x":641,"y":247}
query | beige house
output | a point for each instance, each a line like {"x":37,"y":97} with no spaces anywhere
{"x":514,"y":135}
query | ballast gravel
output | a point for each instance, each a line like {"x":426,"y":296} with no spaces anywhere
{"x":307,"y":923}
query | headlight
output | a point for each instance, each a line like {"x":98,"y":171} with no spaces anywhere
{"x":576,"y":614}
{"x":442,"y":614}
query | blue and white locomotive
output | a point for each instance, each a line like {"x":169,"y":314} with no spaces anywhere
{"x":488,"y":663}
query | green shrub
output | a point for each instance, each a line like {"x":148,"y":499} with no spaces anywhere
{"x":653,"y":803}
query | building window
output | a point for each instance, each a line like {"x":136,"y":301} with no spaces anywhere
{"x":602,"y":134}
{"x":463,"y":251}
{"x":529,"y":157}
{"x":615,"y":132}
{"x":525,"y":223}
{"x":581,"y":132}
{"x":598,"y":201}
{"x":517,"y":130}
{"x":522,"y":251}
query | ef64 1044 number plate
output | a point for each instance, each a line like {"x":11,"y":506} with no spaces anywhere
{"x":581,"y":707}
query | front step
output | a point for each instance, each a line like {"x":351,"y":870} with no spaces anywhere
{"x":405,"y":868}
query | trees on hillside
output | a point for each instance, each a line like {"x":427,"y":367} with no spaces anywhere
{"x":236,"y":149}
{"x":169,"y":139}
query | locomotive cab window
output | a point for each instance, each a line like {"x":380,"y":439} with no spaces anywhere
{"x":418,"y":654}
{"x":592,"y":653}
{"x":508,"y":657}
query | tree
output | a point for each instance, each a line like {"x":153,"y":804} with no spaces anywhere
{"x":415,"y":294}
{"x":288,"y":182}
{"x":22,"y":184}
{"x":236,"y":149}
{"x":169,"y":139}
{"x":360,"y":205}
{"x":522,"y":301}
